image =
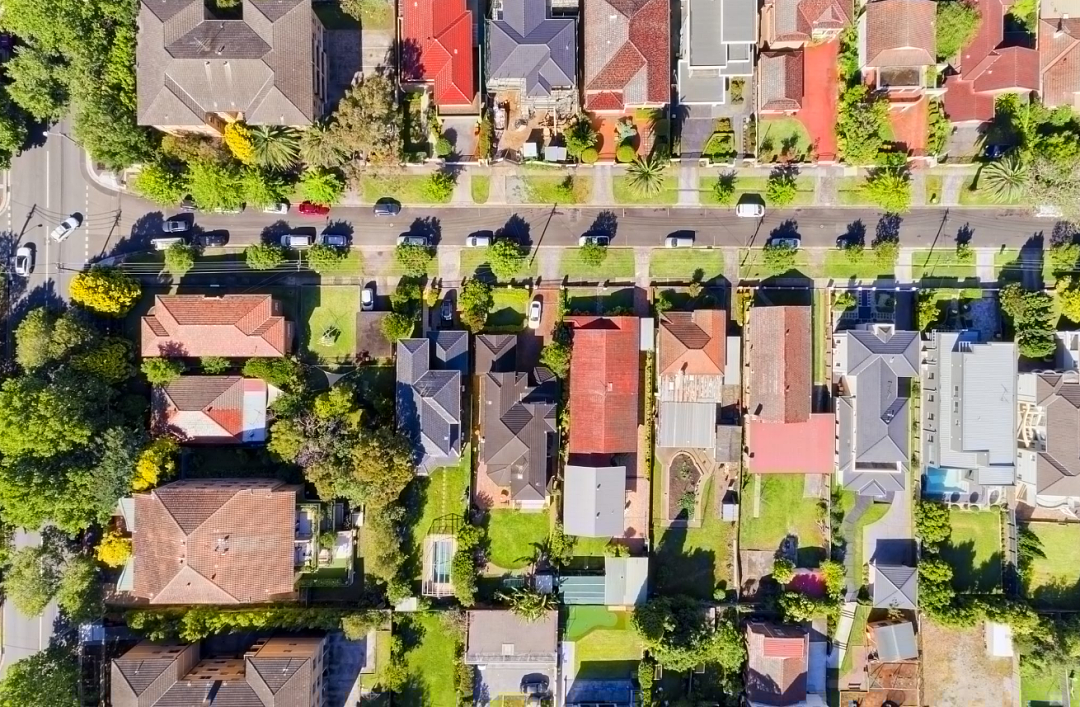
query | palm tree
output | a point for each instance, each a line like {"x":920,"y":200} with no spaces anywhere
{"x":647,"y":175}
{"x":529,"y":604}
{"x":320,"y":147}
{"x":275,"y":146}
{"x":1005,"y":178}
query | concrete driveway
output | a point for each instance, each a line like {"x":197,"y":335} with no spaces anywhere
{"x":460,"y":131}
{"x":495,"y":680}
{"x":891,"y":539}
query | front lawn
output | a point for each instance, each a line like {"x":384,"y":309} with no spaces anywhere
{"x":784,"y":511}
{"x":972,"y":195}
{"x":804,"y":194}
{"x":873,"y":514}
{"x":839,"y":266}
{"x":1055,"y":580}
{"x":694,"y":561}
{"x":974,"y":550}
{"x":686,"y":264}
{"x":431,"y":650}
{"x":784,"y":137}
{"x":557,"y":189}
{"x":624,"y":193}
{"x":406,"y":188}
{"x":752,"y":265}
{"x":606,"y":646}
{"x":474,"y":261}
{"x":508,"y":311}
{"x":481,"y":188}
{"x":934,"y":183}
{"x":618,"y":265}
{"x":514,"y":536}
{"x":1008,"y":266}
{"x":849,"y":191}
{"x":591,"y":300}
{"x":940,"y":264}
{"x":328,"y":314}
{"x":443,"y":493}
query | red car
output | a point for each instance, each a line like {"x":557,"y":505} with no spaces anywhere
{"x":308,"y":209}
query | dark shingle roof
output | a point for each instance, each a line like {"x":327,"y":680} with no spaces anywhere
{"x":429,"y":401}
{"x":527,"y":44}
{"x":515,"y":423}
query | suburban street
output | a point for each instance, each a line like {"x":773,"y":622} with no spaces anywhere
{"x":25,"y":635}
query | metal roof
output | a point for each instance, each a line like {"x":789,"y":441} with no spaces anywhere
{"x":593,"y":501}
{"x":691,"y":425}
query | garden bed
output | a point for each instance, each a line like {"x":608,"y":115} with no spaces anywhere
{"x":683,"y":479}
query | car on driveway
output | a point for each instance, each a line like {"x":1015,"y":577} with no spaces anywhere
{"x":307,"y":208}
{"x":447,"y":309}
{"x":534,"y":685}
{"x":66,"y":228}
{"x":214,"y":239}
{"x":387,"y":207}
{"x":598,"y":240}
{"x":24,"y":261}
{"x":367,"y":298}
{"x":175,"y":225}
{"x":281,"y":208}
{"x":536,"y":308}
{"x":780,"y":242}
{"x":406,"y":239}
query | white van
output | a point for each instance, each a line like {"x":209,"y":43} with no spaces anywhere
{"x":165,"y":243}
{"x":296,"y":240}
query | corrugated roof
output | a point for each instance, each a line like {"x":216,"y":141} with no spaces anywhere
{"x":691,"y":425}
{"x":896,"y":642}
{"x":626,"y":580}
{"x":778,"y":351}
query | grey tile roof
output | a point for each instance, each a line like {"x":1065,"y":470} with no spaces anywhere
{"x":1058,"y":465}
{"x":528,"y":45}
{"x":519,"y":430}
{"x":896,"y":642}
{"x":428,"y":405}
{"x":496,"y":353}
{"x":686,"y":424}
{"x":451,"y":349}
{"x":593,"y":501}
{"x":895,"y":587}
{"x":500,"y":636}
{"x":190,"y":64}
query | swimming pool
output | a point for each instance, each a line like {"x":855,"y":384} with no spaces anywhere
{"x":939,"y":482}
{"x":442,"y":552}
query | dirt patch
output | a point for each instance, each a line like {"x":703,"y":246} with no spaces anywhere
{"x":958,"y":673}
{"x":683,"y":480}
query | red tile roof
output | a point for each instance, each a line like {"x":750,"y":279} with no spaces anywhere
{"x":693,"y":342}
{"x":778,"y":352}
{"x":215,"y":541}
{"x":781,"y":81}
{"x":901,"y":33}
{"x":778,"y":657}
{"x":204,"y":409}
{"x":629,"y":59}
{"x":237,"y":326}
{"x":442,"y":32}
{"x":797,"y":21}
{"x":792,"y":447}
{"x":604,"y":385}
{"x":1059,"y":42}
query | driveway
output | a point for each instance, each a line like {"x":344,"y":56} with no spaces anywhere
{"x":26,"y":635}
{"x":495,"y":680}
{"x":818,"y":114}
{"x":891,"y":540}
{"x":461,"y":132}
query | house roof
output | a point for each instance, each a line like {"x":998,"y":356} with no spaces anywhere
{"x":1059,"y":60}
{"x":781,"y":80}
{"x":429,"y":403}
{"x":237,"y":326}
{"x":440,"y":34}
{"x":895,"y":587}
{"x":501,"y":636}
{"x":779,"y":351}
{"x":693,"y":343}
{"x":190,"y":64}
{"x":777,"y":663}
{"x":604,"y":381}
{"x":895,"y":642}
{"x":215,"y":541}
{"x":900,"y":33}
{"x":687,"y":424}
{"x":1058,"y":465}
{"x":792,"y":447}
{"x":212,"y":409}
{"x":517,"y":423}
{"x":593,"y":501}
{"x":496,"y":353}
{"x":629,"y":62}
{"x":529,"y":45}
{"x":451,"y":349}
{"x":797,"y":20}
{"x":720,"y":34}
{"x":626,"y":580}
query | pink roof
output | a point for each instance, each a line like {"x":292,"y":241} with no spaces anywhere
{"x":628,"y":62}
{"x":236,"y":326}
{"x":442,"y":30}
{"x":792,"y":447}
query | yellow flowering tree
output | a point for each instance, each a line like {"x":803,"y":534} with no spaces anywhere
{"x":105,"y":291}
{"x":156,"y":462}
{"x":238,"y":140}
{"x":114,"y":549}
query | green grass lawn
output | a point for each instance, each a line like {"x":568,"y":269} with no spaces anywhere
{"x":619,"y":264}
{"x":857,"y":637}
{"x":481,"y":188}
{"x":872,"y":515}
{"x":474,"y":261}
{"x":838,"y":266}
{"x":606,"y":646}
{"x":972,"y":195}
{"x":684,"y":263}
{"x":784,"y":137}
{"x":1007,"y":266}
{"x":849,"y":191}
{"x":820,"y":315}
{"x":508,"y":311}
{"x":934,"y":183}
{"x":557,"y":189}
{"x":590,"y":300}
{"x":1044,"y":689}
{"x":752,"y":264}
{"x":430,"y":664}
{"x":1055,"y":579}
{"x":941,"y":264}
{"x":382,"y":657}
{"x":974,"y":550}
{"x":513,"y":536}
{"x":324,"y":308}
{"x":804,"y":194}
{"x":693,"y":561}
{"x":625,"y":194}
{"x":406,"y":188}
{"x":441,"y":494}
{"x":784,"y":512}
{"x":351,"y":264}
{"x":374,"y":14}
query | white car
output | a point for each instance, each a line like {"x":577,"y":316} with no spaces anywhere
{"x":66,"y":228}
{"x":367,"y":299}
{"x":603,"y":241}
{"x":678,"y":242}
{"x":792,"y":243}
{"x":749,"y":209}
{"x":281,"y":208}
{"x":24,"y":261}
{"x":478,"y":241}
{"x":412,"y":240}
{"x":536,"y":308}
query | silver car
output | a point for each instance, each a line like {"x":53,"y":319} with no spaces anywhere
{"x":412,"y":240}
{"x":749,"y":209}
{"x":24,"y":261}
{"x":598,"y":240}
{"x":478,"y":241}
{"x":175,"y":225}
{"x":66,"y":228}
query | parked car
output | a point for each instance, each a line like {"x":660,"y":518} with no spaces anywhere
{"x":536,"y":308}
{"x":281,"y":208}
{"x":166,"y":242}
{"x":24,"y":261}
{"x":447,"y":309}
{"x":367,"y":299}
{"x":307,"y":208}
{"x":534,"y":685}
{"x":214,"y":239}
{"x":66,"y":228}
{"x":598,"y":240}
{"x":387,"y":207}
{"x":749,"y":208}
{"x":479,"y":239}
{"x":679,"y":242}
{"x":406,"y":239}
{"x":235,"y":210}
{"x":336,"y":240}
{"x":792,"y":243}
{"x":175,"y":225}
{"x":296,"y":240}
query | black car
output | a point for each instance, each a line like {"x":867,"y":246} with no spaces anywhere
{"x":447,"y":309}
{"x":387,"y":207}
{"x":335,"y":240}
{"x":534,"y":685}
{"x":211,"y":240}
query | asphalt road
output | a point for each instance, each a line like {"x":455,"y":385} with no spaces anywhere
{"x":25,"y":635}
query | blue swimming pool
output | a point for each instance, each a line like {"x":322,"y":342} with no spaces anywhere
{"x":938,"y":482}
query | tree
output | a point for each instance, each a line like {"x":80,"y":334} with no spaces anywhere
{"x":938,"y":129}
{"x":413,"y":259}
{"x":39,"y":84}
{"x":592,"y":254}
{"x":325,"y":258}
{"x":368,"y":120}
{"x":556,"y":357}
{"x":40,"y":338}
{"x":156,"y":462}
{"x":1064,"y":256}
{"x":646,"y":175}
{"x":160,"y":182}
{"x":179,"y":258}
{"x":580,"y":136}
{"x":932,"y":525}
{"x":890,"y":189}
{"x":215,"y":185}
{"x":1068,"y":295}
{"x":49,"y":678}
{"x":264,"y":256}
{"x":886,"y":250}
{"x":105,"y":290}
{"x":861,"y":125}
{"x":397,"y":326}
{"x":383,"y":465}
{"x":783,"y":570}
{"x":529,"y":604}
{"x":928,"y":309}
{"x":213,"y":365}
{"x":106,"y":127}
{"x":319,"y":147}
{"x":321,"y":186}
{"x":443,"y":148}
{"x":1033,"y":320}
{"x":275,"y":146}
{"x":678,"y":635}
{"x":779,"y":258}
{"x":261,"y":188}
{"x":1004,"y":179}
{"x":162,"y":371}
{"x":78,"y":593}
{"x":238,"y":140}
{"x":797,"y":607}
{"x":780,"y":189}
{"x":284,"y":373}
{"x":475,"y":303}
{"x":114,"y":549}
{"x":438,"y":187}
{"x":724,"y":188}
{"x":505,"y":258}
{"x":31,"y":581}
{"x":42,"y":420}
{"x":109,"y":360}
{"x":957,"y":23}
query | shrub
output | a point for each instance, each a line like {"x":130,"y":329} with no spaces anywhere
{"x":323,"y":258}
{"x":625,"y":153}
{"x":238,"y":140}
{"x":156,"y":462}
{"x":413,"y":259}
{"x":214,"y":365}
{"x":264,"y":256}
{"x":589,"y":155}
{"x":114,"y":549}
{"x":162,"y":371}
{"x":179,"y":258}
{"x":105,"y":290}
{"x":593,"y":254}
{"x":443,"y":147}
{"x":781,"y":189}
{"x":284,"y":373}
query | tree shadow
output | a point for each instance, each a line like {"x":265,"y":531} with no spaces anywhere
{"x":888,"y":229}
{"x":964,"y":235}
{"x":517,"y":229}
{"x":339,"y":227}
{"x":606,"y":223}
{"x":855,"y":233}
{"x":272,"y":234}
{"x":429,"y":226}
{"x":967,"y":577}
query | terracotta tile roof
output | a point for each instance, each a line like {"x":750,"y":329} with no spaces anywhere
{"x":215,"y":541}
{"x":629,"y":58}
{"x":779,"y":351}
{"x":604,"y":374}
{"x":1059,"y":40}
{"x":796,"y":21}
{"x":205,"y":409}
{"x":963,"y":104}
{"x":442,"y":31}
{"x":236,"y":326}
{"x":777,"y":663}
{"x":901,"y":33}
{"x":781,"y":81}
{"x":693,"y":342}
{"x":792,"y":447}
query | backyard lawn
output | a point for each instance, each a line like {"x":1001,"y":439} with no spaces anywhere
{"x":752,"y":264}
{"x":624,"y":193}
{"x":839,"y":266}
{"x":1044,"y":690}
{"x":481,"y":188}
{"x":857,"y":637}
{"x":606,"y":646}
{"x":382,"y":657}
{"x":443,"y":493}
{"x":784,"y":137}
{"x":784,"y":511}
{"x":430,"y":663}
{"x":974,"y":550}
{"x":1055,"y":579}
{"x":508,"y":311}
{"x":329,"y":316}
{"x":804,"y":194}
{"x":820,"y":316}
{"x":694,"y":561}
{"x":474,"y":261}
{"x":686,"y":264}
{"x":514,"y":535}
{"x":554,"y":189}
{"x":941,"y":264}
{"x":406,"y":188}
{"x":618,"y":265}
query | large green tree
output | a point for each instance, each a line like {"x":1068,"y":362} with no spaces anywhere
{"x":31,"y":580}
{"x":368,"y":120}
{"x":957,"y":23}
{"x":215,"y":185}
{"x":678,"y":634}
{"x":38,"y":82}
{"x":41,"y":419}
{"x":261,"y":188}
{"x":861,"y":125}
{"x":160,"y":182}
{"x":46,"y":679}
{"x":42,"y":338}
{"x":505,"y":258}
